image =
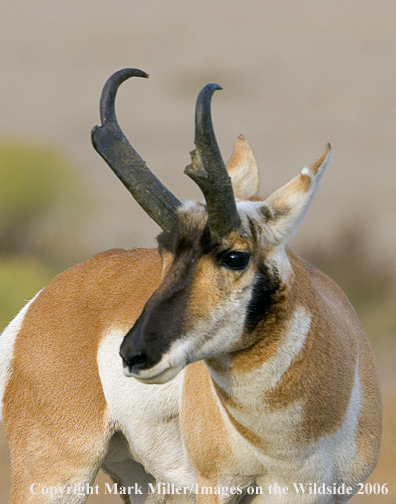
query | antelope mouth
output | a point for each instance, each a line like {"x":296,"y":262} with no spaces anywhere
{"x":162,"y":372}
{"x":154,"y":377}
{"x":159,"y":369}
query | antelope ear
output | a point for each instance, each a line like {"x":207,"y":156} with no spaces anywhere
{"x":289,"y":204}
{"x":242,"y":168}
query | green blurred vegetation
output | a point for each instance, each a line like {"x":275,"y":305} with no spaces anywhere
{"x":41,"y":203}
{"x":21,"y":277}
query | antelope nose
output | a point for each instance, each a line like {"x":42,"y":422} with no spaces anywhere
{"x":137,"y":358}
{"x":141,"y":348}
{"x":134,"y":362}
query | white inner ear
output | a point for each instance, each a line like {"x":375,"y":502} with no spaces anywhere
{"x":242,"y":168}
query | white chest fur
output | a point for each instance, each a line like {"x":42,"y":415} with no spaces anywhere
{"x":147,"y":415}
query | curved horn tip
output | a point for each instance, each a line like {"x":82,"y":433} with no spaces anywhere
{"x":106,"y":107}
{"x":117,"y":78}
{"x":204,"y":132}
{"x":209,"y":89}
{"x":128,"y":72}
{"x":213,"y":85}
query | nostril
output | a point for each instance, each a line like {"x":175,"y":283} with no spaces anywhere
{"x":134,"y":360}
{"x":139,"y":358}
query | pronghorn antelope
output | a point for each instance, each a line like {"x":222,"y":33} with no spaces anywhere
{"x":241,"y":364}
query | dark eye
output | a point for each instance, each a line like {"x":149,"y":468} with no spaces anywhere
{"x":235,"y":260}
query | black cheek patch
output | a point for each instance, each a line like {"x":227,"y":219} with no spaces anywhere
{"x":263,"y":297}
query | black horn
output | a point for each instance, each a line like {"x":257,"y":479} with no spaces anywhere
{"x":209,"y":172}
{"x":110,"y":142}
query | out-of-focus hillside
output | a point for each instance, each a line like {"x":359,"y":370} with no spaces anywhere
{"x":41,"y":201}
{"x":295,"y":76}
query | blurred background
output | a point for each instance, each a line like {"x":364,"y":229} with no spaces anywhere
{"x":295,"y":76}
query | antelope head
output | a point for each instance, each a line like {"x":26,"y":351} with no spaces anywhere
{"x":225,"y":266}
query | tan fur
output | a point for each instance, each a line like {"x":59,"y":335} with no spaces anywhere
{"x":321,"y":377}
{"x":276,"y":400}
{"x":51,"y":393}
{"x":326,"y":378}
{"x":317,"y":382}
{"x":208,"y":450}
{"x":369,"y":423}
{"x":321,"y":159}
{"x":209,"y":286}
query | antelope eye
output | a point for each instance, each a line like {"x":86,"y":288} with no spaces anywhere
{"x":235,"y":260}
